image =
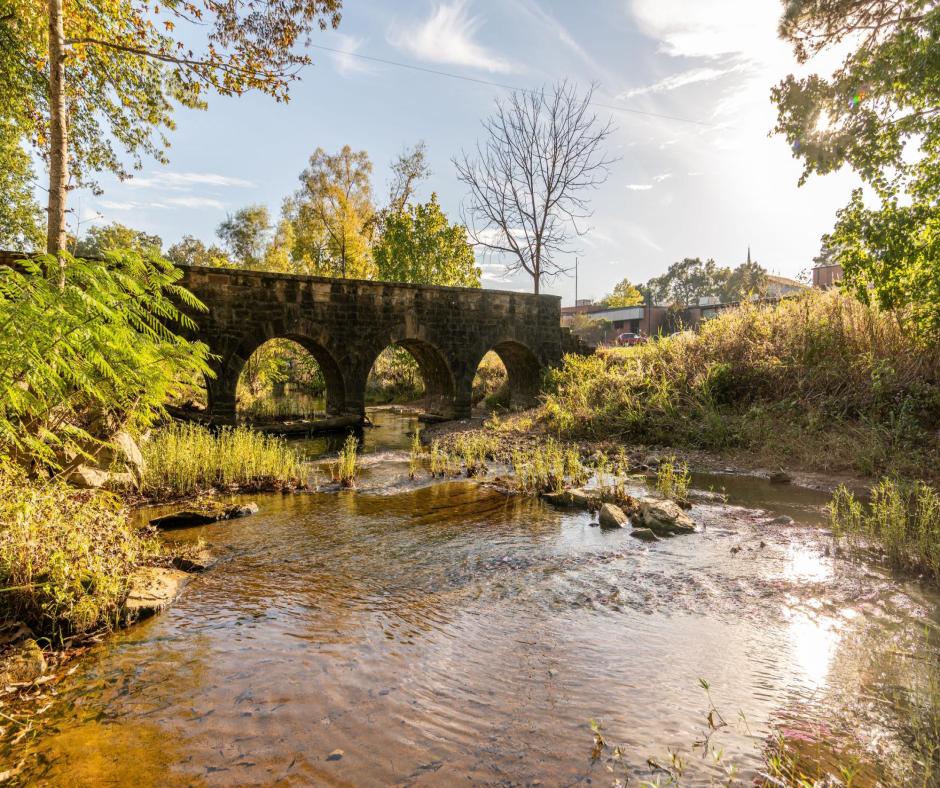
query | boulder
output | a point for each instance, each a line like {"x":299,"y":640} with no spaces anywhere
{"x":663,"y":517}
{"x":23,"y":665}
{"x":198,"y":562}
{"x":612,"y":516}
{"x":126,"y":453}
{"x":644,"y":534}
{"x":188,"y":518}
{"x":88,"y":478}
{"x":245,"y":510}
{"x":152,"y":589}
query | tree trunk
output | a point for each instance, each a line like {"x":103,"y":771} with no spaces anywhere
{"x":58,"y":132}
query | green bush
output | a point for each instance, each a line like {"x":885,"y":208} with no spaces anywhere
{"x":66,"y":557}
{"x":184,"y":459}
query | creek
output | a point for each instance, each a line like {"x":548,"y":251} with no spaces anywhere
{"x":442,"y":632}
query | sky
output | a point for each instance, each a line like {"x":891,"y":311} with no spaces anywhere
{"x":707,"y":181}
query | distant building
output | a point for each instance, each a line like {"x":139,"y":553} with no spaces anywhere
{"x":781,"y":287}
{"x":827,"y":275}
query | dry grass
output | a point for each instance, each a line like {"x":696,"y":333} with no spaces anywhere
{"x":65,"y":556}
{"x":821,"y":381}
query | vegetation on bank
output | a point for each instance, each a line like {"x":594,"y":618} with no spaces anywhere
{"x":822,"y":382}
{"x":66,"y":557}
{"x":185,"y":459}
{"x":902,"y":520}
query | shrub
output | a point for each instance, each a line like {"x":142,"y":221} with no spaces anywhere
{"x":65,"y":556}
{"x":184,"y":459}
{"x":673,"y":480}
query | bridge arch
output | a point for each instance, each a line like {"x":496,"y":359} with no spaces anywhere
{"x":222,"y":390}
{"x":435,"y":370}
{"x":523,"y":370}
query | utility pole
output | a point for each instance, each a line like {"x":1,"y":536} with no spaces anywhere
{"x":575,"y":281}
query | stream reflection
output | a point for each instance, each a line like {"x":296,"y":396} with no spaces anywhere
{"x":447,"y":633}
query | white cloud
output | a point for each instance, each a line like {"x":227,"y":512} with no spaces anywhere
{"x":344,"y":60}
{"x":185,"y":181}
{"x":112,"y":205}
{"x":639,"y":187}
{"x":691,"y":76}
{"x":664,"y":177}
{"x":196,"y":202}
{"x":447,"y":36}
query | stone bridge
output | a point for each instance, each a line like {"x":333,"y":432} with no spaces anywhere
{"x":345,"y":324}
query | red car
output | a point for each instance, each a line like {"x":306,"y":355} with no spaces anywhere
{"x":629,"y":340}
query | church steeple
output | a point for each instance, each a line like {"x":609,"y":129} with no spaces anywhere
{"x":749,"y":255}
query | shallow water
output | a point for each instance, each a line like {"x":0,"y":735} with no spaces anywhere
{"x":444,"y":633}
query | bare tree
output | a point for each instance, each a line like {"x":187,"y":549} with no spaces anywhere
{"x":529,"y":178}
{"x":410,"y":167}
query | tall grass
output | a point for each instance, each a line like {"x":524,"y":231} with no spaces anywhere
{"x":547,"y":468}
{"x":183,"y":459}
{"x":346,"y":468}
{"x":673,"y":480}
{"x":903,"y":519}
{"x":822,"y":379}
{"x":66,"y":557}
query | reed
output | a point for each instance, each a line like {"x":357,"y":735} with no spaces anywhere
{"x":184,"y":459}
{"x":903,"y":520}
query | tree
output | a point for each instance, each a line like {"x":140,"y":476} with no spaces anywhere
{"x":114,"y":237}
{"x":688,"y":280}
{"x":529,"y":178}
{"x":878,"y":113}
{"x":748,"y":279}
{"x":410,"y":167}
{"x":95,"y":79}
{"x":624,"y":294}
{"x":192,"y":251}
{"x":333,"y":215}
{"x":245,"y":234}
{"x":20,"y":218}
{"x":419,"y":245}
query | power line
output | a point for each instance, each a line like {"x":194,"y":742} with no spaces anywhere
{"x":503,"y":85}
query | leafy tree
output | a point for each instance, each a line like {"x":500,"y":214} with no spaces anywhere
{"x":245,"y":234}
{"x":624,"y":294}
{"x":277,"y":255}
{"x":115,"y":237}
{"x":748,"y":279}
{"x":20,"y":218}
{"x":878,"y":113}
{"x":94,"y":80}
{"x":419,"y":245}
{"x":688,"y":280}
{"x":89,"y":354}
{"x":192,"y":251}
{"x":529,"y":178}
{"x":333,"y":214}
